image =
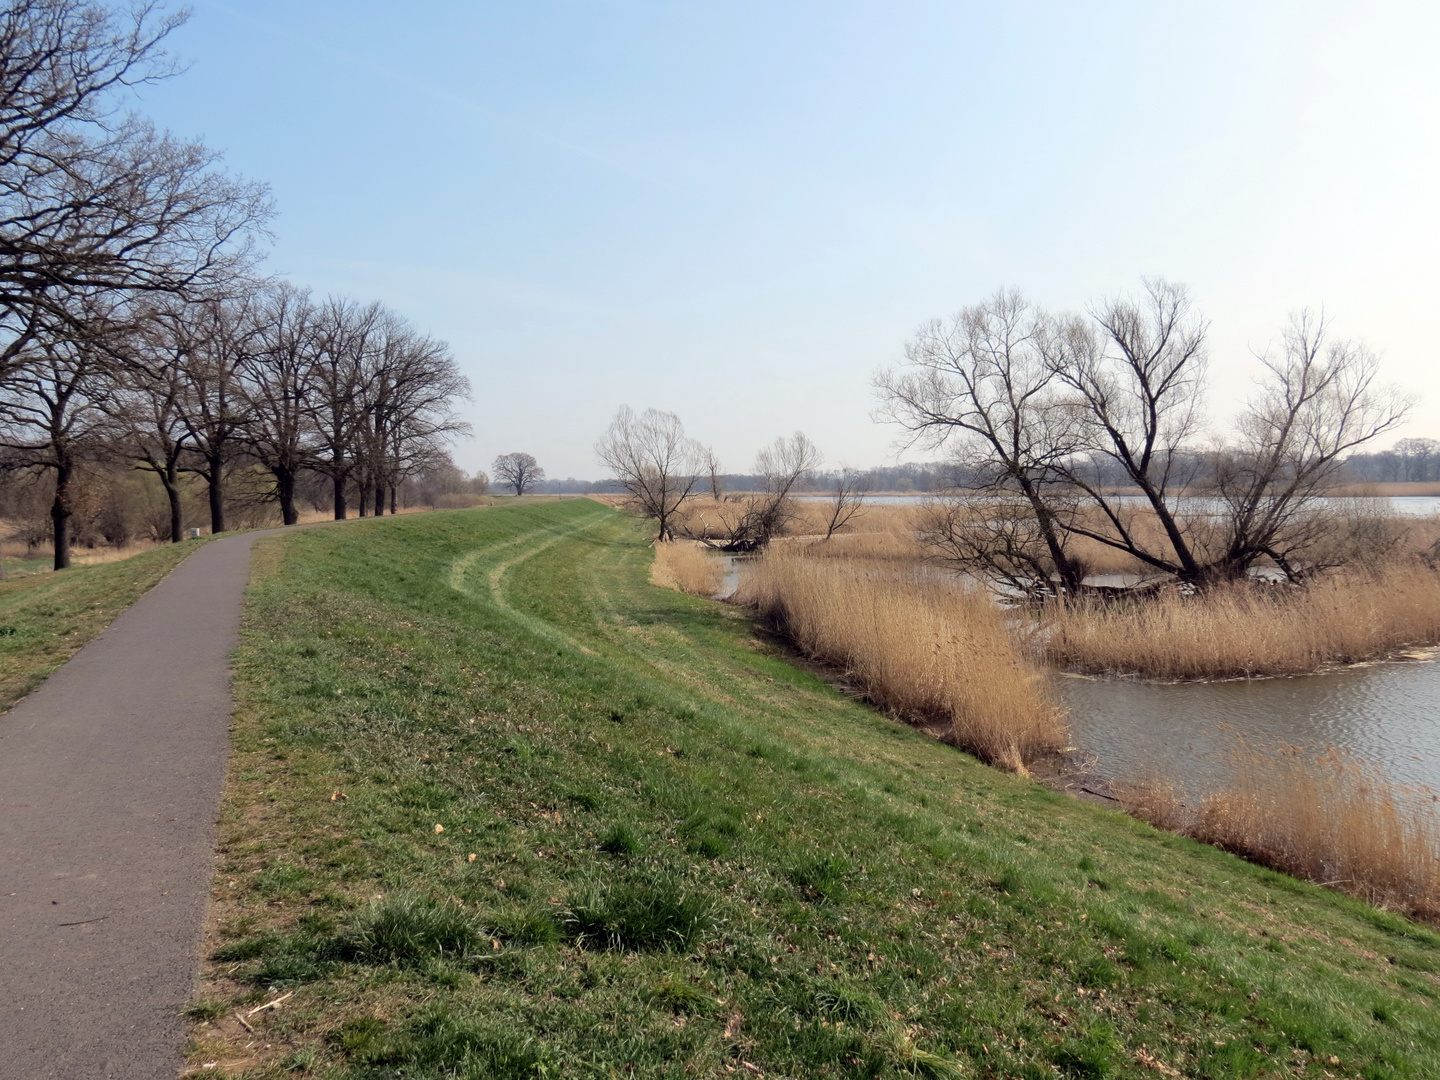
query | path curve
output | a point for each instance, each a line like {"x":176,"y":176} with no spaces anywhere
{"x":110,"y":782}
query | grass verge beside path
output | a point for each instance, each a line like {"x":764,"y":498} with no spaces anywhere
{"x":46,"y":618}
{"x":498,"y":807}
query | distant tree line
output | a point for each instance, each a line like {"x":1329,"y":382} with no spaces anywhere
{"x":1408,"y":461}
{"x":133,"y":329}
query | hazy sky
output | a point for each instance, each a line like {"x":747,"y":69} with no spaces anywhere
{"x":739,"y":211}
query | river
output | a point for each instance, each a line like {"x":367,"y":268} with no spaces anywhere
{"x":1404,"y":505}
{"x":1387,"y":714}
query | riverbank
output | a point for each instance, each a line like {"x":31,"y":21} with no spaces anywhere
{"x":664,"y":851}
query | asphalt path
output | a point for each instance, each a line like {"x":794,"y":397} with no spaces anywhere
{"x":110,"y":781}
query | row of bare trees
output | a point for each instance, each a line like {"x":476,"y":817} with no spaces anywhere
{"x":269,"y":380}
{"x":1043,"y":410}
{"x":132,"y":326}
{"x":661,"y":468}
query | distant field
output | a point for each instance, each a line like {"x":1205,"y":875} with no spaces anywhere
{"x":499,"y":807}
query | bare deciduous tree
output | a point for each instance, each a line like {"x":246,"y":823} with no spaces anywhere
{"x":275,"y":382}
{"x":1053,"y":414}
{"x":985,"y":385}
{"x":217,"y":338}
{"x":653,"y":460}
{"x":847,"y":501}
{"x":520,"y":471}
{"x":93,"y":201}
{"x":145,"y":408}
{"x":710,"y":463}
{"x":53,"y":417}
{"x":1318,"y":400}
{"x":782,"y":465}
{"x":346,"y":336}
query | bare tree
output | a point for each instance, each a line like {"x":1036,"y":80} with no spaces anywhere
{"x":710,"y":463}
{"x":145,"y":408}
{"x":347,"y":334}
{"x":520,"y":471}
{"x":782,"y":465}
{"x":53,"y":417}
{"x":653,"y":460}
{"x":1138,"y":394}
{"x":847,"y":501}
{"x":1318,"y":401}
{"x":216,"y":339}
{"x":986,"y":386}
{"x":1056,"y":417}
{"x":274,"y":382}
{"x":410,"y":408}
{"x":1417,"y":458}
{"x":93,"y":201}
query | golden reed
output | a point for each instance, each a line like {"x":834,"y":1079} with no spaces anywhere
{"x":688,"y":567}
{"x":1249,"y":630}
{"x":1326,"y":818}
{"x":923,"y":648}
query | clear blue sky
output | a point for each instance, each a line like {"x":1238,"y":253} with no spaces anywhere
{"x":738,"y":211}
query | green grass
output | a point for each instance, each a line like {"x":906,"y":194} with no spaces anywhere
{"x":46,"y":617}
{"x":693,"y":859}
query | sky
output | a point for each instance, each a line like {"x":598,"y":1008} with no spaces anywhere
{"x":739,"y":212}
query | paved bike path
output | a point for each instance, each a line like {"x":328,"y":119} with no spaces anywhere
{"x":110,"y":781}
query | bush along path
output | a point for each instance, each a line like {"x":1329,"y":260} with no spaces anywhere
{"x":498,"y":807}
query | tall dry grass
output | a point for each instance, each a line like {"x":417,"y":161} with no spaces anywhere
{"x":687,"y":567}
{"x":1327,"y":819}
{"x":919,"y":648}
{"x":1246,"y":629}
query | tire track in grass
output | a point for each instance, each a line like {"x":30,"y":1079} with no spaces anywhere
{"x":464,"y":570}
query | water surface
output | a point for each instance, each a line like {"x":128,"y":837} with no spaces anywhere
{"x":1388,"y":714}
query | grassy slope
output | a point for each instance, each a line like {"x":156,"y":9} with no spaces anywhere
{"x":882,"y":905}
{"x":45,"y":618}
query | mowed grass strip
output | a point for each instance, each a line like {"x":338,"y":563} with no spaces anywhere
{"x":499,"y":807}
{"x":46,"y":617}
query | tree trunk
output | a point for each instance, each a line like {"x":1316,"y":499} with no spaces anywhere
{"x":380,"y":499}
{"x":217,"y":495}
{"x":285,"y":487}
{"x":169,"y":479}
{"x":339,"y":483}
{"x":392,"y":500}
{"x":362,"y":495}
{"x":60,"y":517}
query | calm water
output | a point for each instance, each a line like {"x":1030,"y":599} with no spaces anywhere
{"x":1388,"y":714}
{"x":1405,"y":505}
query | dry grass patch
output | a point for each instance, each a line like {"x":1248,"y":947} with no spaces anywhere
{"x":1249,"y":630}
{"x":1327,"y":819}
{"x":926,"y":648}
{"x":688,"y":567}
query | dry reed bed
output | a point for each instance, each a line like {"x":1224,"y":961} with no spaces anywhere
{"x":918,"y":649}
{"x":1328,"y":819}
{"x":1248,"y":630}
{"x":688,"y":567}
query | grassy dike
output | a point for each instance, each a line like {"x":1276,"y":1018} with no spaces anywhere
{"x":498,"y":807}
{"x":45,"y":618}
